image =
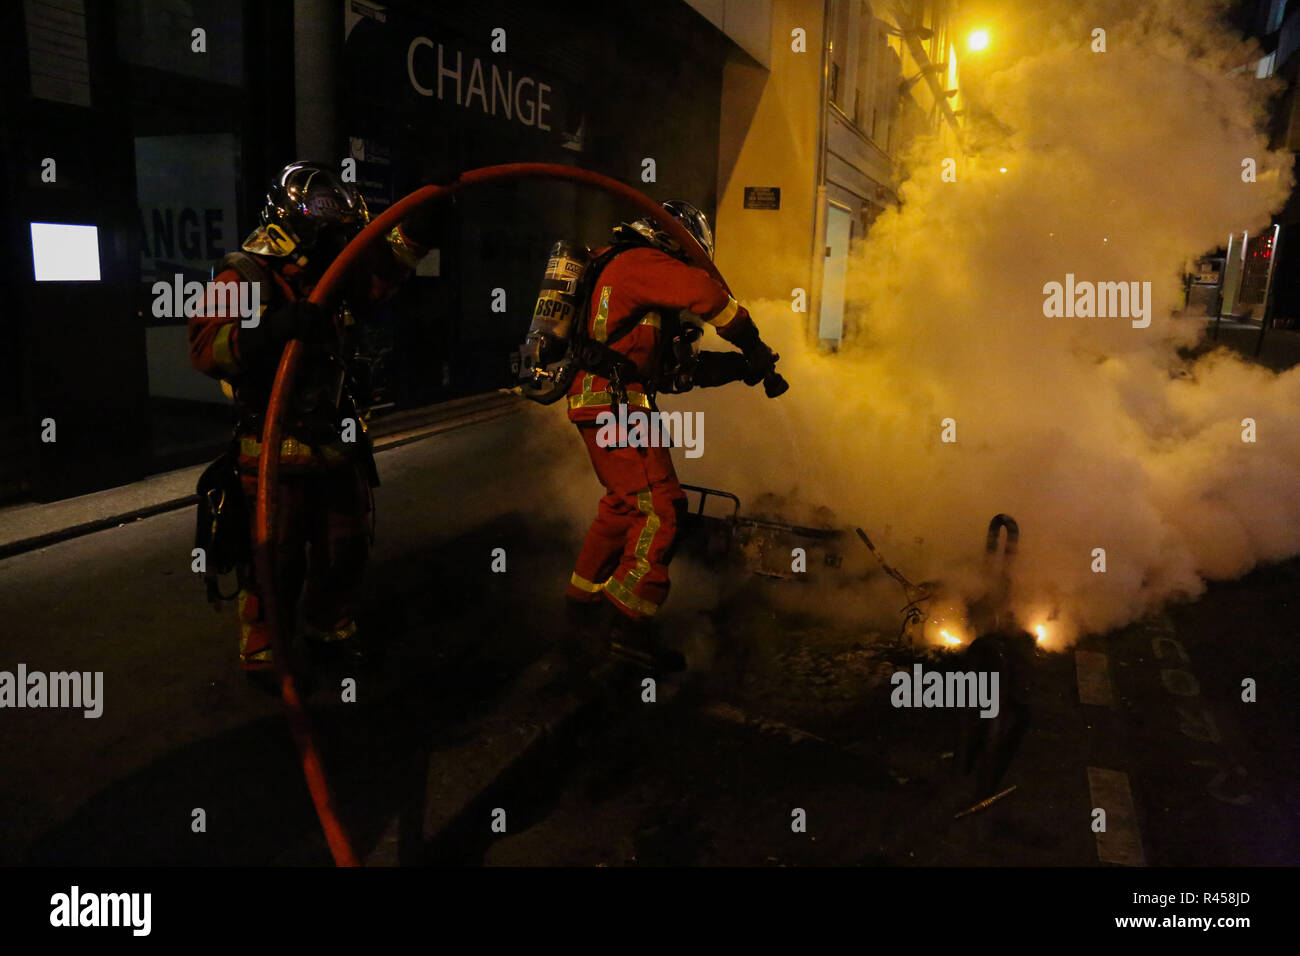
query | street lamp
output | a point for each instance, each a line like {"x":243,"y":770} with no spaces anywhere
{"x":978,"y":40}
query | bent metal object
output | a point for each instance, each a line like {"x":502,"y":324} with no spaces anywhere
{"x":268,"y":465}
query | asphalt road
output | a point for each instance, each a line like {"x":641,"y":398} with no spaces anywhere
{"x":1188,"y":773}
{"x":784,"y":713}
{"x":180,"y":728}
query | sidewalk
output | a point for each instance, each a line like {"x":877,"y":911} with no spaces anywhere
{"x":30,"y":525}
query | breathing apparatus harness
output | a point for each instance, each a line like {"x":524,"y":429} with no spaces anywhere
{"x":223,"y":518}
{"x":560,"y":321}
{"x":322,"y":397}
{"x":600,"y":358}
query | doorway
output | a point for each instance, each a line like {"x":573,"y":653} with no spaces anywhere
{"x":839,"y":229}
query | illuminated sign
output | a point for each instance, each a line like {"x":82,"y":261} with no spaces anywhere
{"x":64,"y":253}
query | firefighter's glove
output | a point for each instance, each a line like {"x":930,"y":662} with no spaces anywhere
{"x":412,"y":238}
{"x":300,"y":320}
{"x":719,"y":368}
{"x":759,"y":361}
{"x":261,"y":344}
{"x":421,"y":225}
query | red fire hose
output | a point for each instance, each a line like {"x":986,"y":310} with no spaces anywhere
{"x":268,"y":466}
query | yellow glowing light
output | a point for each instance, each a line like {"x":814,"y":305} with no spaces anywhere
{"x":978,"y":40}
{"x":1041,"y":632}
{"x":948,"y":638}
{"x":1002,"y":169}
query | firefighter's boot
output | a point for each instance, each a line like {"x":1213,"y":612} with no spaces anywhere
{"x":340,"y":646}
{"x":635,"y":641}
{"x":589,"y":623}
{"x":254,"y":636}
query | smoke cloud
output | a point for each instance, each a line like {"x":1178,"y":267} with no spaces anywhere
{"x":1090,"y":432}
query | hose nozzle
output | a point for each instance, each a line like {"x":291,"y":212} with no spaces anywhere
{"x":773,"y":382}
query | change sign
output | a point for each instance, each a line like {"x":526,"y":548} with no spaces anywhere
{"x":402,"y":67}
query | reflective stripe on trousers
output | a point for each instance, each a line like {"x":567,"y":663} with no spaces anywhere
{"x":628,"y":547}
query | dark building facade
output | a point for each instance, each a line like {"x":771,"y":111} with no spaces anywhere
{"x":165,"y":119}
{"x":1276,"y":25}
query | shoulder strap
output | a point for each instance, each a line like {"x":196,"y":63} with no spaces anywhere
{"x":250,"y":269}
{"x":591,"y":277}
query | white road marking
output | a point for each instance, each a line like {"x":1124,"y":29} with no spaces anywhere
{"x":1093,"y":671}
{"x":1122,"y":841}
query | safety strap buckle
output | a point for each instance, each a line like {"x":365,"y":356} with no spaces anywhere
{"x":617,"y":390}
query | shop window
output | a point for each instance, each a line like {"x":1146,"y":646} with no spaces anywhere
{"x":839,"y":35}
{"x":57,"y":51}
{"x":865,"y":106}
{"x":160,"y":34}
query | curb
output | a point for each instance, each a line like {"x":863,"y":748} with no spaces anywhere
{"x":383,"y":442}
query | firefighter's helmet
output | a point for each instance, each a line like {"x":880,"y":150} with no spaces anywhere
{"x":310,"y":213}
{"x":649,"y":231}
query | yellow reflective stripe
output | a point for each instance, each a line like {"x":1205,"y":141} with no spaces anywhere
{"x":589,"y":398}
{"x":222,"y":354}
{"x":723,"y":318}
{"x":645,"y":504}
{"x":625,"y":597}
{"x":651,"y":319}
{"x":623,"y":591}
{"x":289,"y":448}
{"x":578,"y":581}
{"x":579,"y":401}
{"x":332,"y":634}
{"x":602,"y":314}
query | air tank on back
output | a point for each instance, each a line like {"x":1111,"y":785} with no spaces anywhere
{"x":546,"y":365}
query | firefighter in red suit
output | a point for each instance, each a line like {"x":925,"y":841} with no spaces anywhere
{"x":624,"y":560}
{"x":324,"y":501}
